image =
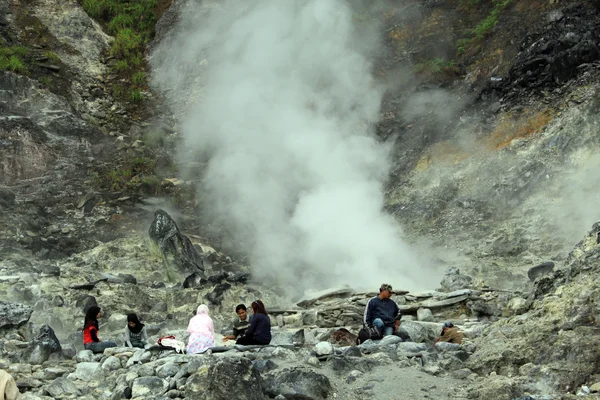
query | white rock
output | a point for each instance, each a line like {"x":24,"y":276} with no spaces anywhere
{"x":411,"y":347}
{"x":324,"y":348}
{"x":112,"y":363}
{"x":86,"y":370}
{"x":425,"y":314}
{"x":445,"y":346}
{"x":517,"y":305}
{"x":390,"y":339}
{"x":85,"y":356}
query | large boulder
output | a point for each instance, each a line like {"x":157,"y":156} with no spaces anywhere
{"x":297,"y":383}
{"x":417,"y":332}
{"x":13,"y":315}
{"x":176,"y":248}
{"x":149,"y":387}
{"x":238,"y":377}
{"x":43,"y":345}
{"x":62,"y":388}
{"x":540,"y":270}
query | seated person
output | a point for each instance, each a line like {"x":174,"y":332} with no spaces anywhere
{"x":240,"y":324}
{"x":382,"y":312}
{"x":450,"y":334}
{"x":201,"y":330}
{"x":90,"y":332}
{"x":135,"y":332}
{"x":259,"y":331}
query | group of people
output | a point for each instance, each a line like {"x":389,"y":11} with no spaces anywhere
{"x":384,"y":314}
{"x":247,"y":330}
{"x":381,"y":312}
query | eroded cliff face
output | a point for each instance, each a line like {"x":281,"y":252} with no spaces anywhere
{"x":489,"y":120}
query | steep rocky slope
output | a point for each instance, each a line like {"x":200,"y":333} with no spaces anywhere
{"x":490,"y":112}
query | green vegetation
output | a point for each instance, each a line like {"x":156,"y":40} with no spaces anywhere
{"x":131,"y":175}
{"x":139,"y":78}
{"x":46,"y":81}
{"x":121,"y":65}
{"x":485,"y":26}
{"x":135,"y":95}
{"x":11,"y":59}
{"x":435,"y":66}
{"x":52,"y":56}
{"x":491,"y":20}
{"x":132,"y":23}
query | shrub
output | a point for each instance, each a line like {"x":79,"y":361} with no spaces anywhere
{"x":139,"y":78}
{"x":121,"y":65}
{"x":12,"y":63}
{"x":135,"y":95}
{"x":125,"y":43}
{"x":94,"y":8}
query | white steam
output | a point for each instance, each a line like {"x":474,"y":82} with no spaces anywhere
{"x":285,"y":118}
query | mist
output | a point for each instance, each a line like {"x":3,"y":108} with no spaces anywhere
{"x":284,"y":120}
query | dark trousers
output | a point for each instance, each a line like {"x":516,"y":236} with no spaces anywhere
{"x":248,"y":341}
{"x":99,"y":347}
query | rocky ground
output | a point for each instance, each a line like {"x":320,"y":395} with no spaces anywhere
{"x":493,"y":183}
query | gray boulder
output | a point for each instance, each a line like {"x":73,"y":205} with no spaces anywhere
{"x":167,"y":370}
{"x":297,"y":383}
{"x":234,"y":376}
{"x":43,"y":345}
{"x":13,"y":315}
{"x":87,"y":370}
{"x":540,"y":270}
{"x":61,"y":388}
{"x":149,"y":387}
{"x":417,"y":332}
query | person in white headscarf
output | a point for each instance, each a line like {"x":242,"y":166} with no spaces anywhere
{"x":202,"y":332}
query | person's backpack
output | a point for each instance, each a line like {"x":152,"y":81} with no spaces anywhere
{"x":368,"y":332}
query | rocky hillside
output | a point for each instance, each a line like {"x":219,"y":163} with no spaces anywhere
{"x":488,"y":117}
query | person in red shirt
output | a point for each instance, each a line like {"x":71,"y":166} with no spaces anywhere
{"x":90,"y":332}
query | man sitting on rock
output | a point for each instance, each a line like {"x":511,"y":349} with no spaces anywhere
{"x":382,"y":312}
{"x":450,"y":334}
{"x":240,"y":324}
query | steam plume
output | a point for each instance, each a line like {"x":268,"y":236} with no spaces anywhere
{"x":280,"y":99}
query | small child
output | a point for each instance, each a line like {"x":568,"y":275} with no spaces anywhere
{"x":135,"y":332}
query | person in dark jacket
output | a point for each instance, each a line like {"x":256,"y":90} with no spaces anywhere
{"x":90,"y":332}
{"x":259,"y":331}
{"x":382,"y":312}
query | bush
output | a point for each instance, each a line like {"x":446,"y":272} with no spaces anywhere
{"x":135,"y":95}
{"x":139,"y":78}
{"x":12,"y":63}
{"x":126,"y":43}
